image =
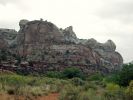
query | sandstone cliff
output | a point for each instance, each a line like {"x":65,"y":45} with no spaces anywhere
{"x":42,"y":41}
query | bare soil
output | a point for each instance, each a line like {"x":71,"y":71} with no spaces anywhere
{"x":53,"y":96}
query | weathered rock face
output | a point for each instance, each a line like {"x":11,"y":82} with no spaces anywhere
{"x":51,"y":48}
{"x":3,"y":43}
{"x":22,"y":23}
{"x":59,"y":48}
{"x":69,"y":35}
{"x":108,"y":46}
{"x":37,"y":35}
{"x":107,"y":51}
{"x":7,"y":37}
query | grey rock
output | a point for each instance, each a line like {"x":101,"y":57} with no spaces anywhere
{"x":22,"y":23}
{"x":56,"y":49}
{"x":7,"y":37}
{"x":69,"y":35}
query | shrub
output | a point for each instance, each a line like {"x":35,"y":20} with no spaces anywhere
{"x":67,"y":73}
{"x":126,"y":75}
{"x":36,"y":91}
{"x":54,"y":74}
{"x":130,"y":87}
{"x":112,"y":87}
{"x":84,"y":96}
{"x":96,"y":77}
{"x":122,"y":77}
{"x":89,"y":86}
{"x":114,"y":92}
{"x":73,"y":72}
{"x":89,"y":95}
{"x":69,"y":92}
{"x":129,"y":91}
{"x":77,"y":81}
{"x":114,"y":77}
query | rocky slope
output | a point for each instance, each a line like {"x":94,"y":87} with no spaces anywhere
{"x":42,"y":41}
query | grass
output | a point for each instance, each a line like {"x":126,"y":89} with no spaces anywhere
{"x":29,"y":85}
{"x":93,"y":88}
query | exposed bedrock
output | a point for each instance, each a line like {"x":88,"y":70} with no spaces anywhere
{"x":57,"y":48}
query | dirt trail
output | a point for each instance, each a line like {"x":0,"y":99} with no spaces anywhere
{"x":53,"y":96}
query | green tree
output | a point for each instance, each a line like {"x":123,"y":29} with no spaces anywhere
{"x":126,"y":75}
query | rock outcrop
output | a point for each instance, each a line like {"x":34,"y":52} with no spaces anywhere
{"x":107,"y":51}
{"x":51,"y":48}
{"x":7,"y":37}
{"x":69,"y":35}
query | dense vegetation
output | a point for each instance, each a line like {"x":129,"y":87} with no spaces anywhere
{"x":71,"y":84}
{"x":122,"y":77}
{"x":68,"y":73}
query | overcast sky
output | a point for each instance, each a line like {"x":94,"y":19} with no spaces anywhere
{"x":99,"y":19}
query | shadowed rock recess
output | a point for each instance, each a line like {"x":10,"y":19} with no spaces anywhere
{"x":49,"y":48}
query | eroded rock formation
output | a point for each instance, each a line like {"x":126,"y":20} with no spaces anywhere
{"x":7,"y":37}
{"x":56,"y":49}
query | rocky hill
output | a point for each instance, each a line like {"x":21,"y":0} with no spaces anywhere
{"x":51,"y":48}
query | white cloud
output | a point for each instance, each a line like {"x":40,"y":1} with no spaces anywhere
{"x":4,"y":2}
{"x":117,"y":9}
{"x":99,"y":19}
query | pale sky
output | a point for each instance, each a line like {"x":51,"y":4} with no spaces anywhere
{"x":99,"y":19}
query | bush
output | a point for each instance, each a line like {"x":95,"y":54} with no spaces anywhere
{"x":122,"y":77}
{"x":112,"y":87}
{"x":54,"y":74}
{"x":84,"y":96}
{"x":67,"y":73}
{"x":126,"y":75}
{"x":114,"y":92}
{"x":96,"y":77}
{"x":129,"y":91}
{"x":89,"y":86}
{"x":69,"y":92}
{"x":77,"y":81}
{"x":89,"y":95}
{"x":113,"y":78}
{"x":73,"y":72}
{"x":36,"y":91}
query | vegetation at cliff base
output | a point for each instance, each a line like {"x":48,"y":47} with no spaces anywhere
{"x":70,"y":85}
